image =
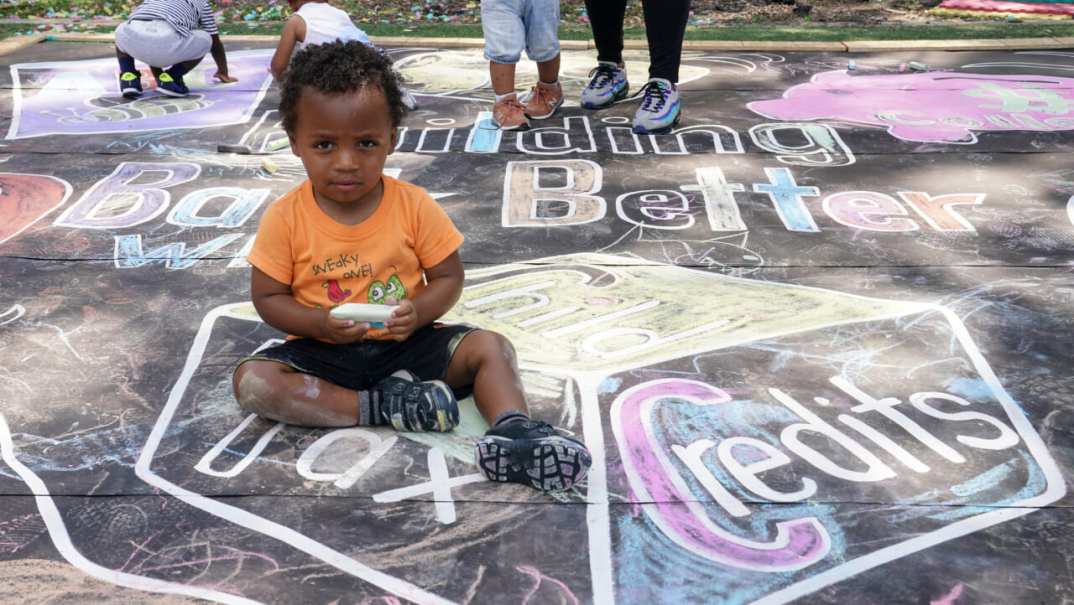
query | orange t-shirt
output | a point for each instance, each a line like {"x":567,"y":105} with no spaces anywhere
{"x":328,"y":263}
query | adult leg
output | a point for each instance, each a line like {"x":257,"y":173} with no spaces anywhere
{"x":665,"y":26}
{"x":606,"y":22}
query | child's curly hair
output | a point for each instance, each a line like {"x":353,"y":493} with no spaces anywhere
{"x":339,"y":67}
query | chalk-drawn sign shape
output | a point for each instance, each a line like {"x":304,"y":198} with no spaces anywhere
{"x":608,"y":315}
{"x":933,"y":107}
{"x":80,"y":97}
{"x":658,"y":485}
{"x":26,"y":198}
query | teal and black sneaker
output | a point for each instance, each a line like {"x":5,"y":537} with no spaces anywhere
{"x":607,"y":85}
{"x":130,"y":84}
{"x":532,"y":453}
{"x":660,"y":109}
{"x":410,"y":405}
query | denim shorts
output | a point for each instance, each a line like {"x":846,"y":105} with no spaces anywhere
{"x":156,"y":42}
{"x":513,"y":25}
{"x":360,"y":365}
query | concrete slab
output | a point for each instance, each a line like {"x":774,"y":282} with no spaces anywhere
{"x":815,"y":340}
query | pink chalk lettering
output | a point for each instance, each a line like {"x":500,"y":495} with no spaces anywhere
{"x":657,"y":484}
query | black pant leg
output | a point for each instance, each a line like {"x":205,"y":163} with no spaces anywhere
{"x":665,"y":26}
{"x":606,"y":21}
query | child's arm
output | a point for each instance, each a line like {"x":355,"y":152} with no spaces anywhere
{"x":220,"y":57}
{"x":294,"y":31}
{"x":442,"y":290}
{"x":278,"y":307}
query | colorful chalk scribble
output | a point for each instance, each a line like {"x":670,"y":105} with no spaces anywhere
{"x":933,"y":107}
{"x":80,"y":97}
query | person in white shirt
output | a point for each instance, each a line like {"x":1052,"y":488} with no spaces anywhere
{"x":317,"y":22}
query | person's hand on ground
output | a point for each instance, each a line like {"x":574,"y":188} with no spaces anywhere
{"x":224,"y":78}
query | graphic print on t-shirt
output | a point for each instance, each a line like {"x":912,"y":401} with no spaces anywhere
{"x":381,"y":293}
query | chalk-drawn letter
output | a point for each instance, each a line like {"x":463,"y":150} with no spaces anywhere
{"x":129,"y":253}
{"x":937,"y":210}
{"x":787,"y":196}
{"x":869,"y":210}
{"x":667,"y":502}
{"x":526,"y":203}
{"x":244,"y":202}
{"x":816,"y":144}
{"x":377,"y":447}
{"x":655,"y":209}
{"x":115,"y":203}
{"x":205,"y":464}
{"x":720,"y":204}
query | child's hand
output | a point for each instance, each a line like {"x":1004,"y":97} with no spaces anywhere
{"x":223,"y":77}
{"x":342,"y":331}
{"x":403,"y":322}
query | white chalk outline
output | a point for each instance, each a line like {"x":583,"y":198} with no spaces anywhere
{"x":242,"y":517}
{"x":57,"y":532}
{"x":598,"y":517}
{"x":598,"y":510}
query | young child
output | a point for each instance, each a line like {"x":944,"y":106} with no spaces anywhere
{"x":317,"y":22}
{"x":171,"y":34}
{"x":350,"y":234}
{"x":509,"y":26}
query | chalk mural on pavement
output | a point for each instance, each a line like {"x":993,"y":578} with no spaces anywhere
{"x":933,"y":107}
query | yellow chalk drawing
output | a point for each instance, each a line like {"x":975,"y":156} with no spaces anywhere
{"x":592,"y":312}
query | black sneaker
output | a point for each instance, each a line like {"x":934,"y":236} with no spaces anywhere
{"x":130,"y":84}
{"x":172,"y":86}
{"x":409,"y":405}
{"x":532,"y":453}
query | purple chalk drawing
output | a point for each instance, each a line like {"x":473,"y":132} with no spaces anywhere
{"x":933,"y":107}
{"x":81,"y":97}
{"x":655,"y":482}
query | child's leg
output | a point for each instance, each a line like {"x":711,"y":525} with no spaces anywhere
{"x":503,"y":78}
{"x":279,"y":392}
{"x":548,"y":71}
{"x":542,"y":45}
{"x":516,"y":449}
{"x":505,"y":37}
{"x":486,"y":360}
{"x":310,"y":383}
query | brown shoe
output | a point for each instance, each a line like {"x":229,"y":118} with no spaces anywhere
{"x":544,"y":100}
{"x":509,"y":114}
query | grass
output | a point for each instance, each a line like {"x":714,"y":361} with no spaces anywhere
{"x":767,"y":31}
{"x":760,"y":31}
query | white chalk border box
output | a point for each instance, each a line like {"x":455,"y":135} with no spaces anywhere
{"x":375,"y":315}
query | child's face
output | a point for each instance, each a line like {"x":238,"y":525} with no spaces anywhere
{"x":343,"y":141}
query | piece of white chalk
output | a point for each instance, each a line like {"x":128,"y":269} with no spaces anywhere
{"x":374,"y":314}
